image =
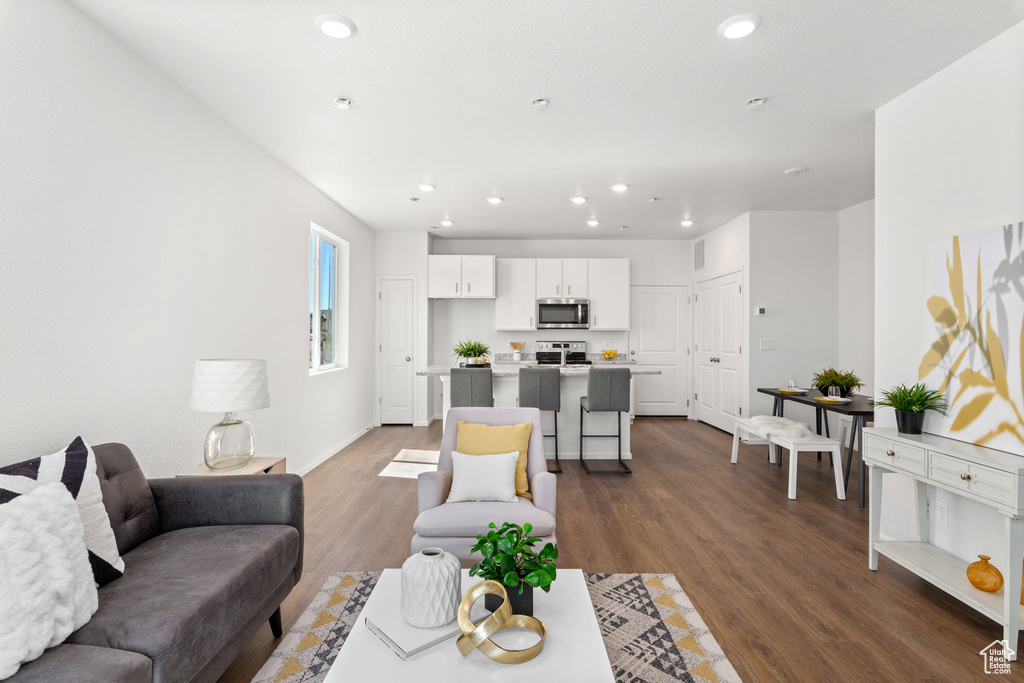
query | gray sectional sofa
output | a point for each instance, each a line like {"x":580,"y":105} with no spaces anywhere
{"x":208,"y":560}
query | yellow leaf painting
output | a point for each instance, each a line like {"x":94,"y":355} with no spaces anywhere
{"x":966,"y":358}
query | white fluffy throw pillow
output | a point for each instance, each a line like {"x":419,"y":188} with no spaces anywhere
{"x":46,"y":581}
{"x":483,"y":477}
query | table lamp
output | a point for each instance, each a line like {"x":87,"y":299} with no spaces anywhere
{"x":229,"y":385}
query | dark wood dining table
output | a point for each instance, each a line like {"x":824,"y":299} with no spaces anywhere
{"x":860,"y":409}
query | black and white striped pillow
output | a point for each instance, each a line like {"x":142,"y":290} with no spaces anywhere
{"x":74,"y":467}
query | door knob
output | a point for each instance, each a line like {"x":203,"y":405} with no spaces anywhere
{"x":408,"y":358}
{"x":632,"y":353}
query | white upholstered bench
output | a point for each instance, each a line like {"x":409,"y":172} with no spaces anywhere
{"x":794,"y":446}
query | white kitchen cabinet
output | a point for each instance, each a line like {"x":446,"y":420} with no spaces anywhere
{"x":478,"y":277}
{"x":460,"y":277}
{"x":515,"y":297}
{"x":608,"y":291}
{"x":574,"y":277}
{"x":562,"y":278}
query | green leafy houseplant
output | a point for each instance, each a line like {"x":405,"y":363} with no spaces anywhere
{"x":830,"y":377}
{"x":509,"y":558}
{"x":470,"y":349}
{"x":910,"y":404}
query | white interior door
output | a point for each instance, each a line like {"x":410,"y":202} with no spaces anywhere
{"x":718,"y":343}
{"x":659,"y":339}
{"x":397,"y":334}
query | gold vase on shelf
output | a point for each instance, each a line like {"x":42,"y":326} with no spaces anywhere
{"x":984,"y":576}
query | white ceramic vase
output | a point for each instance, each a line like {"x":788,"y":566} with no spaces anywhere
{"x":431,"y":588}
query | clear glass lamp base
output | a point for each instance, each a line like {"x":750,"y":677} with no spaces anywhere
{"x":229,"y":444}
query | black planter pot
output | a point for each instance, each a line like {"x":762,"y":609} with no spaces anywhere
{"x":908,"y":422}
{"x":520,"y":604}
{"x":843,"y":391}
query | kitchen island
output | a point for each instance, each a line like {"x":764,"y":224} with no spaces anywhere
{"x":574,"y":385}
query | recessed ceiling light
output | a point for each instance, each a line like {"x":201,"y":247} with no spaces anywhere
{"x":414,"y":199}
{"x":343,"y":103}
{"x":620,"y":187}
{"x":540,"y":105}
{"x":623,"y":227}
{"x":796,"y":170}
{"x":335,"y":26}
{"x":687,"y":223}
{"x":651,"y":200}
{"x":755,"y":103}
{"x":578,"y":199}
{"x":593,"y":223}
{"x":427,"y":187}
{"x":740,"y":26}
{"x":495,"y":200}
{"x":446,"y":223}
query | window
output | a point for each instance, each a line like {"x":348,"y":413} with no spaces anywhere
{"x":328,"y":313}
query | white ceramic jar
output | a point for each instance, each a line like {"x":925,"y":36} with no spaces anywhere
{"x":431,"y":588}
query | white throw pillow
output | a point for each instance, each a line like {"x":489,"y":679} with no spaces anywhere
{"x":484,"y":477}
{"x":45,"y":577}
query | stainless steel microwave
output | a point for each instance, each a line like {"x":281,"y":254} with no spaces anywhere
{"x":563,"y":314}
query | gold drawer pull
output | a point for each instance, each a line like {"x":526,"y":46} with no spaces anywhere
{"x":966,"y":476}
{"x":891,"y":453}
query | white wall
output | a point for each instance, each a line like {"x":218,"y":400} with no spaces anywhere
{"x":140,"y":232}
{"x":856,"y":304}
{"x":792,"y":275}
{"x":405,"y":253}
{"x":949,"y":159}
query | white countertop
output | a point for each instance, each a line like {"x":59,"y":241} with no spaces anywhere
{"x":512,"y":369}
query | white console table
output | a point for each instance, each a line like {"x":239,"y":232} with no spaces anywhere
{"x":988,"y":476}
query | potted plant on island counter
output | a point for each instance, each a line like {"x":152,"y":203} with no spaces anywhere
{"x":830,"y":377}
{"x":509,"y":559}
{"x":473,"y":352}
{"x":910,"y":404}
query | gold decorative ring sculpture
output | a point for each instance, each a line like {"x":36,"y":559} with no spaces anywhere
{"x":478,"y":636}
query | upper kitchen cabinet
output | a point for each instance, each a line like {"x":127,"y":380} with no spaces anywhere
{"x":515,"y":299}
{"x":460,"y":277}
{"x":562,"y":278}
{"x":609,"y":293}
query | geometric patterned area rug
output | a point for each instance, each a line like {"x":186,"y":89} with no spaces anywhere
{"x":651,"y":631}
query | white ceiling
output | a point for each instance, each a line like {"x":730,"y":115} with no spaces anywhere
{"x":645,"y":93}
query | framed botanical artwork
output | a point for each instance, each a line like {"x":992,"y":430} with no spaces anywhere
{"x":974,"y":336}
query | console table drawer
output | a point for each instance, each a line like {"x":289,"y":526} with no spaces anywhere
{"x":895,"y":455}
{"x":983,"y":481}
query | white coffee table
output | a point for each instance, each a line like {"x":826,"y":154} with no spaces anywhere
{"x":573,"y":649}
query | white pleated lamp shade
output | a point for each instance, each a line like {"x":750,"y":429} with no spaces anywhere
{"x":229,"y":385}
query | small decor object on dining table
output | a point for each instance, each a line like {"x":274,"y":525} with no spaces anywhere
{"x":830,"y":377}
{"x":910,"y":404}
{"x":984,"y":576}
{"x":431,"y":588}
{"x":509,"y":559}
{"x":472,"y":352}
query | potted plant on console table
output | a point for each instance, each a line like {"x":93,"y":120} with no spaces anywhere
{"x":509,"y":559}
{"x":910,"y":404}
{"x":472,"y":352}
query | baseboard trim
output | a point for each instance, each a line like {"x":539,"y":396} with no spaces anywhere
{"x":324,"y":458}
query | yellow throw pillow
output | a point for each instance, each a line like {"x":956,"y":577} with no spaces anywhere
{"x":477,"y":439}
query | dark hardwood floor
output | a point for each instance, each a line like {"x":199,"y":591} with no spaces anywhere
{"x":783,"y":585}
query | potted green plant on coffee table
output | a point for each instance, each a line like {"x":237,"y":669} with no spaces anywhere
{"x":473,"y":352}
{"x":509,"y":559}
{"x":910,"y":404}
{"x":830,"y":377}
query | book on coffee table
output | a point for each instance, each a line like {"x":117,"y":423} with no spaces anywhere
{"x":405,"y":640}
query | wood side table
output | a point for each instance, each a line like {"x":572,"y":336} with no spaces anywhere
{"x":254,"y":466}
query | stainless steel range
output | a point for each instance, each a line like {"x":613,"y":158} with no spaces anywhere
{"x":562,"y":353}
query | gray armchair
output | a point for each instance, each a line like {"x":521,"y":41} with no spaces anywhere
{"x":454,"y":526}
